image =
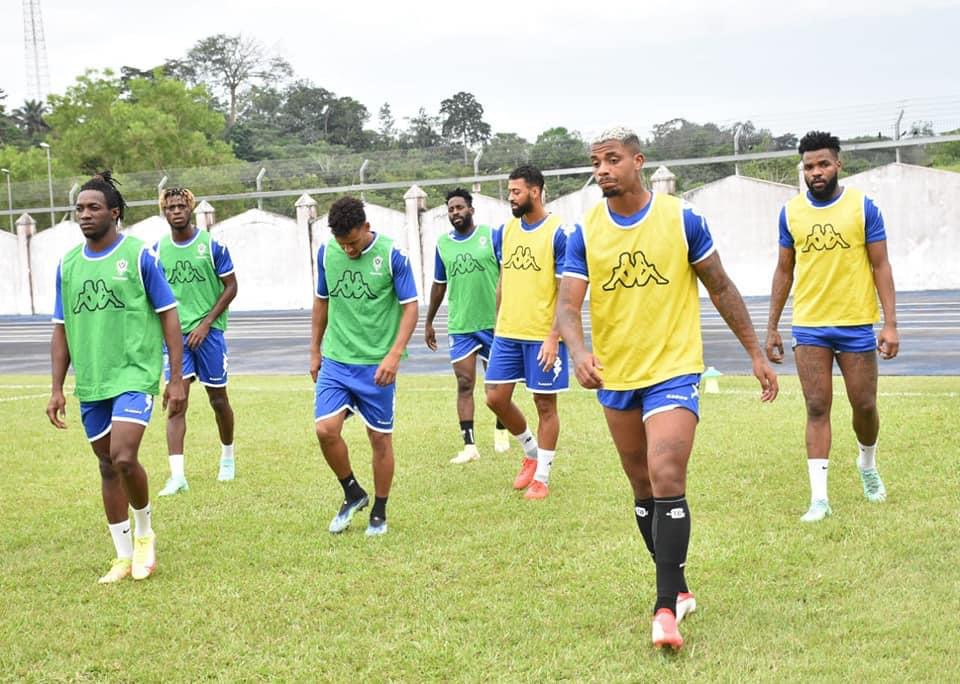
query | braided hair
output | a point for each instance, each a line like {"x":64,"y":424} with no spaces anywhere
{"x":105,"y":183}
{"x":182,"y":193}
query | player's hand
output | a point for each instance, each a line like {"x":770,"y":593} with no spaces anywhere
{"x":174,"y":397}
{"x":587,"y":368}
{"x":768,"y":379}
{"x":430,"y":336}
{"x":315,"y":360}
{"x":774,"y":346}
{"x":387,"y":370}
{"x":888,"y":342}
{"x":548,"y":352}
{"x":198,"y":335}
{"x":57,"y":410}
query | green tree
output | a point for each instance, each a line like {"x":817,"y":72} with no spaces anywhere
{"x":421,"y":131}
{"x":231,"y":65}
{"x":462,"y":121}
{"x":163,"y":123}
{"x":9,"y":133}
{"x":504,"y":152}
{"x":29,"y":119}
{"x":388,"y":125}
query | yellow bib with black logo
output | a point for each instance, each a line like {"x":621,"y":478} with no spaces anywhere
{"x":834,"y":280}
{"x":529,"y":286}
{"x":644,"y":306}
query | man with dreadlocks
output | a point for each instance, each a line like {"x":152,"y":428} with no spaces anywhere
{"x":113,"y":311}
{"x":200,"y":272}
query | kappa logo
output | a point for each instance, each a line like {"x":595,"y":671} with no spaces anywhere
{"x":352,"y":286}
{"x":557,"y":368}
{"x":94,"y":296}
{"x":634,"y":270}
{"x":522,"y":259}
{"x":824,"y":237}
{"x":465,"y":263}
{"x":184,"y":272}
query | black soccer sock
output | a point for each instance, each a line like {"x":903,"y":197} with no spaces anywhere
{"x":643,"y":510}
{"x":379,"y":508}
{"x":671,"y":534}
{"x":466,"y":429}
{"x":351,"y":488}
{"x":500,"y":426}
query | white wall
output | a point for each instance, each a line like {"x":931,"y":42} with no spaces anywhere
{"x":922,"y":218}
{"x":742,"y":215}
{"x":46,"y":250}
{"x":14,"y":300}
{"x":272,"y":261}
{"x":149,"y":230}
{"x":572,"y":207}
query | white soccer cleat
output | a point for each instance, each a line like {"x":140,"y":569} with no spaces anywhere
{"x":819,"y":509}
{"x":686,"y":604}
{"x":501,"y":441}
{"x":468,"y":454}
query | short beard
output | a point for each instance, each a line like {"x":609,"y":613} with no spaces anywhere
{"x":522,"y":209}
{"x":612,"y":192}
{"x":465,"y":225}
{"x":827,"y":192}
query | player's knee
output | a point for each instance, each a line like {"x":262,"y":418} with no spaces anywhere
{"x":668,"y":479}
{"x":124,"y":461}
{"x":495,"y":402}
{"x":327,"y":431}
{"x":464,"y":384}
{"x":220,"y":404}
{"x":546,"y":404}
{"x":817,"y":408}
{"x":865,"y":406}
{"x":380,"y":443}
{"x":107,"y":471}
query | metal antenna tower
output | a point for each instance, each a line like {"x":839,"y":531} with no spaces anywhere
{"x":35,"y":46}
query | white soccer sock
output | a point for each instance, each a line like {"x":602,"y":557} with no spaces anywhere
{"x":226,"y":452}
{"x":817,"y":468}
{"x":868,"y":456}
{"x":544,"y":461}
{"x":528,"y":442}
{"x":176,"y":465}
{"x":142,"y":519}
{"x":122,"y":539}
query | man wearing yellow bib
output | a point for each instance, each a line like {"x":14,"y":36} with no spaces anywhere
{"x":641,"y":254}
{"x":526,"y":344}
{"x":835,"y":239}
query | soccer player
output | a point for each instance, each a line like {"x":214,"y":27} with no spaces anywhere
{"x":526,"y":344}
{"x":113,"y":311}
{"x":834,"y":237}
{"x":466,"y":260}
{"x":364,"y":313}
{"x":641,"y":253}
{"x":200,"y":273}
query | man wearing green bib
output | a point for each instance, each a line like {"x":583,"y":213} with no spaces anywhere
{"x":113,"y":311}
{"x":467,"y":269}
{"x":200,"y":272}
{"x":364,"y":313}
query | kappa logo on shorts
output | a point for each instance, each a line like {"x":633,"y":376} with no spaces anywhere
{"x":94,"y":296}
{"x":185,"y":272}
{"x":557,"y":368}
{"x":824,"y":237}
{"x":352,"y":286}
{"x":465,"y":263}
{"x":522,"y":259}
{"x":634,"y":270}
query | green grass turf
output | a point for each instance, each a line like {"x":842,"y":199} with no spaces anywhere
{"x":473,"y":583}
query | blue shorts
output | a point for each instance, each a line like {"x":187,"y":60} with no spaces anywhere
{"x":516,"y":361}
{"x":844,"y":338}
{"x":208,"y":362}
{"x":682,"y":391}
{"x":350,"y":387}
{"x":463,"y":345}
{"x":130,"y":407}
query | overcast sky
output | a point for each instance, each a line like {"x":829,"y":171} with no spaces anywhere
{"x":846,"y":65}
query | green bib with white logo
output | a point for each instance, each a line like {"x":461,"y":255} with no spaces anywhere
{"x":472,"y":274}
{"x":193,"y":278}
{"x":113,"y":333}
{"x":363,"y":313}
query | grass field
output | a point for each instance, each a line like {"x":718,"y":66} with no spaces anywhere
{"x":473,"y":583}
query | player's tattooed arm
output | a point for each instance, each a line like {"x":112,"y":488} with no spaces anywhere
{"x":567,"y":319}
{"x":727,"y":300}
{"x":59,"y":362}
{"x":782,"y":282}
